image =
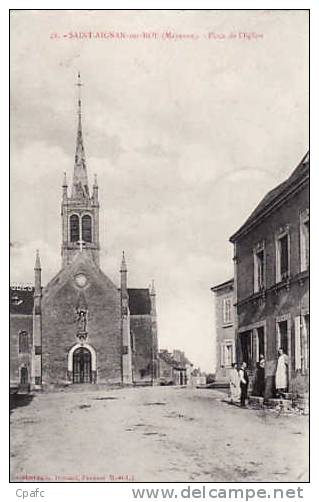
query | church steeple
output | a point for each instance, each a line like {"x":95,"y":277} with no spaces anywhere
{"x":80,"y":211}
{"x":37,"y":274}
{"x":80,"y":186}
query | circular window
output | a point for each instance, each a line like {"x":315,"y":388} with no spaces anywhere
{"x":81,"y":280}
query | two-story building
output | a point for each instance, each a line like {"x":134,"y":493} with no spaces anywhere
{"x":271,"y":281}
{"x":224,"y":329}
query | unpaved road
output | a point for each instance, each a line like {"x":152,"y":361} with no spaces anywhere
{"x":154,"y":434}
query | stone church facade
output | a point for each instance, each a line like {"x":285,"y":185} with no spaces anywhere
{"x":81,"y":327}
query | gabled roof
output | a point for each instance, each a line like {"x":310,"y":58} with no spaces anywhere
{"x":139,"y":301}
{"x":21,"y":300}
{"x":82,"y":262}
{"x":298,"y":176}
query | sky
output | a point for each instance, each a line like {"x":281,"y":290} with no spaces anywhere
{"x":187,"y":124}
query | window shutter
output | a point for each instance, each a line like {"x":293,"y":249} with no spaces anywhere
{"x":222,"y":355}
{"x":297,"y":343}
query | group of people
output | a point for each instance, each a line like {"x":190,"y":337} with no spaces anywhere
{"x":239,"y":379}
{"x":238,"y":383}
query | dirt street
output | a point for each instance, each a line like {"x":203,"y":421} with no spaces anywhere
{"x":154,"y":434}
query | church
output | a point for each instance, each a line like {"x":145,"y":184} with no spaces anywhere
{"x":81,"y":328}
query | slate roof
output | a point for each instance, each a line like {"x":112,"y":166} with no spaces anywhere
{"x":223,"y":285}
{"x":139,"y":301}
{"x":21,"y":300}
{"x":298,"y":175}
{"x":167,"y":357}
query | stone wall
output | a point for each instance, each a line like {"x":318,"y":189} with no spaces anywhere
{"x":59,"y":324}
{"x":141,"y":332}
{"x":19,"y":323}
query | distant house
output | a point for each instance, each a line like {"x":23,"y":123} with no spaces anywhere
{"x":271,"y":256}
{"x":224,"y":328}
{"x":21,"y":335}
{"x":171,"y":371}
{"x":180,"y":357}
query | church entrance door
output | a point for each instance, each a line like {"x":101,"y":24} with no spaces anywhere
{"x":82,"y":366}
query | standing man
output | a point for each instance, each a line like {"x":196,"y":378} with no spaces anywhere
{"x":244,"y":380}
{"x":260,"y":378}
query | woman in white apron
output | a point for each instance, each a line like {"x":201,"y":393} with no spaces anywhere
{"x":234,"y":384}
{"x":282,"y":372}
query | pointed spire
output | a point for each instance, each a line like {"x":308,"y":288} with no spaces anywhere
{"x":95,"y":194}
{"x":64,"y":189}
{"x":37,"y":265}
{"x":123,"y":264}
{"x":37,"y":275}
{"x":152,"y":288}
{"x":80,"y":187}
{"x":123,"y":273}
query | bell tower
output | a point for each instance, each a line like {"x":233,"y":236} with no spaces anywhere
{"x":80,"y":209}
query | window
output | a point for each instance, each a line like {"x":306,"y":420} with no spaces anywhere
{"x":227,"y":314}
{"x":259,"y":268}
{"x":302,"y":343}
{"x":304,"y":240}
{"x":283,"y":245}
{"x":74,"y":228}
{"x":282,"y":256}
{"x":282,"y":335}
{"x":227,"y":354}
{"x":23,"y":342}
{"x":87,"y":228}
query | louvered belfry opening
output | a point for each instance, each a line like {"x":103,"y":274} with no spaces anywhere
{"x":74,"y":228}
{"x":87,"y":228}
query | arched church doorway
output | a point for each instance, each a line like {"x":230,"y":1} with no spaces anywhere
{"x":82,"y":366}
